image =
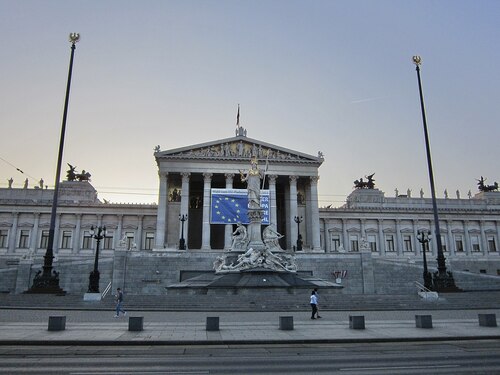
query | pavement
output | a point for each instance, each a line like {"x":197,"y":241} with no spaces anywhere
{"x":92,"y":327}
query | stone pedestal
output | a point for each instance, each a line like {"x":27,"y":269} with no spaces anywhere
{"x":255,"y":215}
{"x":423,"y":321}
{"x":57,"y":323}
{"x":212,"y":323}
{"x":356,"y":321}
{"x":286,"y":323}
{"x":135,"y":323}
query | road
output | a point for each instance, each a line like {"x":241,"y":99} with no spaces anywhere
{"x":439,"y":357}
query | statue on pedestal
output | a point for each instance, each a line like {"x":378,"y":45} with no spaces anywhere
{"x":252,"y":178}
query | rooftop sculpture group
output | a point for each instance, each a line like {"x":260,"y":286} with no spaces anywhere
{"x":72,"y":175}
{"x":370,"y":184}
{"x":485,"y":188}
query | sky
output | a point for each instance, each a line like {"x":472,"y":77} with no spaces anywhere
{"x":330,"y":76}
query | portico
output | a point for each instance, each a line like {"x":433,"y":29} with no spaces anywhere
{"x":188,"y":174}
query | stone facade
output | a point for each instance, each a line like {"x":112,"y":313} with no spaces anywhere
{"x":368,"y":242}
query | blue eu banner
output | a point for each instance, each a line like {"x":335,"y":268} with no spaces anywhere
{"x":230,"y":206}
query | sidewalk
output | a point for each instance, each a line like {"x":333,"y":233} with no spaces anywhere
{"x":29,"y":327}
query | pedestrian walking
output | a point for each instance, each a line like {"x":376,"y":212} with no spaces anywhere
{"x":317,"y":302}
{"x":314,"y":304}
{"x":119,"y":302}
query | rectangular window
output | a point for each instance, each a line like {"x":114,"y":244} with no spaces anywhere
{"x":335,"y":242}
{"x":492,"y":246}
{"x":474,"y":240}
{"x":443,"y":244}
{"x":66,"y":239}
{"x":3,"y":238}
{"x":87,"y":240}
{"x":44,"y":239}
{"x":459,"y":244}
{"x":130,"y":239}
{"x":24,"y":239}
{"x":354,"y":243}
{"x":389,"y":243}
{"x":107,"y":242}
{"x":407,"y":243}
{"x":372,"y":240}
{"x":149,"y":240}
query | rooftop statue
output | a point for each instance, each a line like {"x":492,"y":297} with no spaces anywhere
{"x":71,"y":174}
{"x":485,"y":188}
{"x":370,"y":184}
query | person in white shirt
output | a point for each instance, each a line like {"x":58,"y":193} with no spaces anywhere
{"x":314,"y":303}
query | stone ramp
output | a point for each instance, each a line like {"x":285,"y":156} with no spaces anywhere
{"x":259,"y":302}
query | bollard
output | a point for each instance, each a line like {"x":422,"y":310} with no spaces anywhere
{"x":356,"y":321}
{"x":286,"y":323}
{"x":423,"y":321}
{"x":212,"y":323}
{"x":487,"y":320}
{"x":135,"y":323}
{"x":57,"y":323}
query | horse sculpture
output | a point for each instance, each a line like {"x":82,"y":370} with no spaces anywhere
{"x":485,"y":188}
{"x":370,"y":184}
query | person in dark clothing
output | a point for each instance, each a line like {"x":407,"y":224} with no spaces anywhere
{"x":119,"y":302}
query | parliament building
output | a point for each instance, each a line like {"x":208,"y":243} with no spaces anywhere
{"x":358,"y":244}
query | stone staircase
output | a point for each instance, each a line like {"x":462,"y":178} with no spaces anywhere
{"x":257,"y":302}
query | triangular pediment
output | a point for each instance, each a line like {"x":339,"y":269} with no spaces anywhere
{"x":240,"y":148}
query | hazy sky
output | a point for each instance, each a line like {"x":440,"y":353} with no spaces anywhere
{"x":334,"y":76}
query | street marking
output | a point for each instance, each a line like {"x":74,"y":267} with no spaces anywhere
{"x":397,"y":367}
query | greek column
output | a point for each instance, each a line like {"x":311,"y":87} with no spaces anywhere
{"x":484,"y":243}
{"x":139,"y":231}
{"x":449,"y":237}
{"x":467,"y":243}
{"x":418,"y":246}
{"x":185,"y":205}
{"x":13,"y":232}
{"x":399,"y":240}
{"x":381,"y":238}
{"x":293,"y":209}
{"x":34,"y":234}
{"x":272,"y":196}
{"x":161,"y":219}
{"x":76,"y":238}
{"x":316,"y":243}
{"x":205,"y":236}
{"x":228,"y":229}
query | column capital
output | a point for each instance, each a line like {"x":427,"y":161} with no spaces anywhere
{"x":162,"y":174}
{"x":229,"y":177}
{"x":272,"y":178}
{"x":293,"y":179}
{"x":207,"y":177}
{"x":185,"y":175}
{"x":314,"y":179}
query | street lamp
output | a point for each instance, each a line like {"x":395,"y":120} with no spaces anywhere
{"x":443,"y":281}
{"x":182,"y":242}
{"x":48,"y":281}
{"x":424,"y":237}
{"x":94,"y":275}
{"x":298,"y":220}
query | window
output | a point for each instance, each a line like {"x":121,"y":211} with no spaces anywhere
{"x":24,"y":239}
{"x":354,"y":243}
{"x":130,"y":240}
{"x":87,"y":240}
{"x":44,"y":239}
{"x":149,"y":240}
{"x":66,"y":239}
{"x":407,"y":243}
{"x":372,"y":240}
{"x":492,"y":247}
{"x":389,"y":243}
{"x":443,"y":244}
{"x":107,"y":242}
{"x":335,"y":242}
{"x":475,"y":244}
{"x":459,"y":244}
{"x":3,"y":238}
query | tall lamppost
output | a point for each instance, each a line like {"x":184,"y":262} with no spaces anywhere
{"x":48,"y":281}
{"x":298,"y":220}
{"x":94,"y":275}
{"x":182,"y":241}
{"x":443,"y":281}
{"x":424,"y":237}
